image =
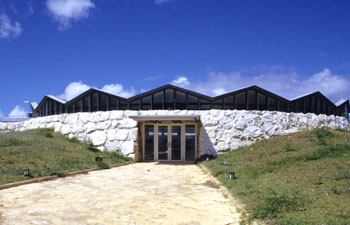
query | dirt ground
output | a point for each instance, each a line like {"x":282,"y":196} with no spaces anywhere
{"x":141,"y":193}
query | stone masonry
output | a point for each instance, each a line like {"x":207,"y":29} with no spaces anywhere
{"x":220,"y":130}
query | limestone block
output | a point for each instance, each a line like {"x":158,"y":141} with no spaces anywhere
{"x":129,"y":113}
{"x":208,"y":120}
{"x":73,"y":118}
{"x":111,"y":135}
{"x":223,"y":146}
{"x":98,"y":137}
{"x":3,"y":126}
{"x":128,"y":123}
{"x":55,"y":118}
{"x":127,"y":147}
{"x":112,"y":145}
{"x":241,"y":125}
{"x":116,"y":115}
{"x":105,"y":116}
{"x":252,"y":132}
{"x":83,"y":137}
{"x":77,"y":128}
{"x":115,"y":124}
{"x":101,"y":148}
{"x":216,"y":113}
{"x":85,"y":117}
{"x":94,"y":117}
{"x":133,"y":134}
{"x":66,"y":129}
{"x":122,"y":134}
{"x":148,"y":113}
{"x":103,"y":125}
{"x":57,"y":126}
{"x":90,"y":127}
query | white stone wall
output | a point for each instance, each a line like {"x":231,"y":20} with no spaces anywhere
{"x":221,"y":130}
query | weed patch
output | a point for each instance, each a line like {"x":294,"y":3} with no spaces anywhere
{"x":290,"y":147}
{"x":102,"y":165}
{"x":274,"y":203}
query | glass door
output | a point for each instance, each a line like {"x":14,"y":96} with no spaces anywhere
{"x":190,"y":146}
{"x":175,"y":142}
{"x":169,"y":142}
{"x":162,"y":142}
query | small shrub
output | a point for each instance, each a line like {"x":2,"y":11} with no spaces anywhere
{"x":45,"y":132}
{"x":73,"y":140}
{"x":322,"y":134}
{"x":275,"y":203}
{"x":340,"y":130}
{"x":343,"y":174}
{"x":118,"y":156}
{"x":102,"y":165}
{"x":56,"y":173}
{"x":336,"y":190}
{"x":91,"y":147}
{"x":290,"y":147}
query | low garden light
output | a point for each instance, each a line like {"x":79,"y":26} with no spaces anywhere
{"x":207,"y":159}
{"x":231,"y":175}
{"x":26,"y":172}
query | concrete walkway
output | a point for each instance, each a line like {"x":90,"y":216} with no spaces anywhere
{"x":142,"y":193}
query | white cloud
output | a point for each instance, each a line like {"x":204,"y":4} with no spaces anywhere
{"x":181,"y":81}
{"x":161,"y":2}
{"x":9,"y":29}
{"x":65,"y":11}
{"x":30,"y":8}
{"x":73,"y":89}
{"x":18,"y":112}
{"x":287,"y":84}
{"x":76,"y":88}
{"x":118,"y":89}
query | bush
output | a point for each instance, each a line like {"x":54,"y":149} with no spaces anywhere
{"x":117,"y":155}
{"x":322,"y":133}
{"x":102,"y":165}
{"x":73,"y":140}
{"x":290,"y":147}
{"x":46,"y":132}
{"x":275,"y":203}
{"x":336,"y":190}
{"x":343,"y":174}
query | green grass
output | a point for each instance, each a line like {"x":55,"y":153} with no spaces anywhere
{"x":46,"y":153}
{"x":297,"y":179}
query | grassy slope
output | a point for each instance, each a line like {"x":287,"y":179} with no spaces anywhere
{"x":47,"y":153}
{"x":298,"y":179}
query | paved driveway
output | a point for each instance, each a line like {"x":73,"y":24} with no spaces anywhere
{"x":142,"y":193}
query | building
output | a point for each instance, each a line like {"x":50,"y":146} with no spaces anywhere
{"x":184,"y":137}
{"x":171,"y":97}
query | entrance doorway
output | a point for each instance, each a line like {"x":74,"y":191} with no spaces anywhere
{"x":169,"y":142}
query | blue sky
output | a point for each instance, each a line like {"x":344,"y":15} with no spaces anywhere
{"x":62,"y":47}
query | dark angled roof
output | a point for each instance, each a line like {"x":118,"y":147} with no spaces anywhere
{"x":170,"y":86}
{"x":167,"y":86}
{"x":256,"y":88}
{"x":51,"y":97}
{"x":94,"y":90}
